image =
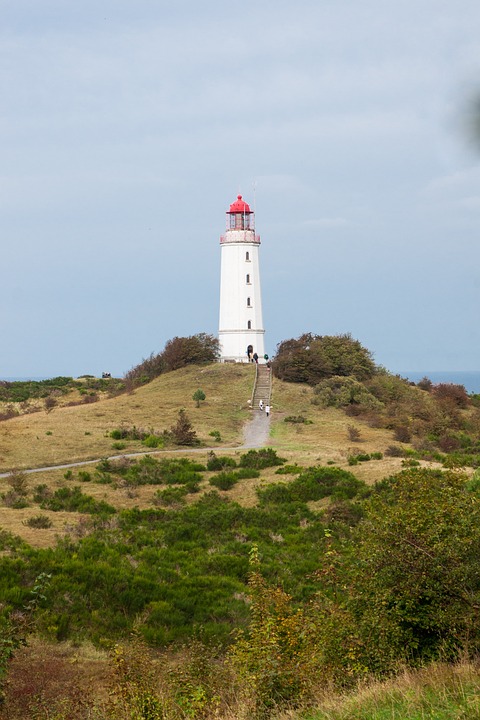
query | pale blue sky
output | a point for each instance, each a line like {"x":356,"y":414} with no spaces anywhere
{"x":127,"y":128}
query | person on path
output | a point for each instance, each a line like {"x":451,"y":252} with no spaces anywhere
{"x":267,"y":410}
{"x":260,"y":404}
{"x":255,"y":357}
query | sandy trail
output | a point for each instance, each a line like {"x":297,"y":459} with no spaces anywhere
{"x":255,"y":435}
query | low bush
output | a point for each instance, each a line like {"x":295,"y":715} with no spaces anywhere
{"x":224,"y":480}
{"x":73,"y":500}
{"x":289,"y":470}
{"x":394,"y":451}
{"x":260,"y":459}
{"x":14,"y":500}
{"x":298,"y":420}
{"x":313,"y":484}
{"x":39,"y":521}
{"x":221,"y":462}
{"x":154,"y":441}
{"x":364,"y":457}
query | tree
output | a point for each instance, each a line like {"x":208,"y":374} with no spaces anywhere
{"x":183,"y":432}
{"x":198,"y":395}
{"x":415,"y":574}
{"x":177,"y":353}
{"x":311,"y":358}
{"x":193,"y":350}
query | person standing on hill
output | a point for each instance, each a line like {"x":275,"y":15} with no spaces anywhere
{"x":267,"y":410}
{"x":260,"y":404}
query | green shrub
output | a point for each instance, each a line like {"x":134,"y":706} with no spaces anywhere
{"x":14,"y":500}
{"x":198,"y":396}
{"x":84,"y":476}
{"x":289,"y":470}
{"x":297,"y":420}
{"x":313,"y":484}
{"x":170,"y":496}
{"x":118,"y":446}
{"x":153,"y":441}
{"x":224,"y":480}
{"x":215,"y":462}
{"x":245,"y":473}
{"x":73,"y":500}
{"x":216,"y":435}
{"x":260,"y":459}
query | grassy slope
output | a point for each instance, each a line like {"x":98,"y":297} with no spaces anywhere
{"x":82,"y":432}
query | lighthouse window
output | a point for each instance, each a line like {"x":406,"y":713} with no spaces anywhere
{"x":248,"y":279}
{"x":248,"y":302}
{"x":247,"y":257}
{"x":249,"y":325}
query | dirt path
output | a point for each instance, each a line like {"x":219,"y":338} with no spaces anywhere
{"x":256,"y":432}
{"x":255,"y":435}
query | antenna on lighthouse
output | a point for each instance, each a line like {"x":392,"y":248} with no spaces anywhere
{"x":254,"y":198}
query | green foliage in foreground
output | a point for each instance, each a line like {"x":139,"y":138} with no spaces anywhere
{"x":453,"y":699}
{"x":180,"y":569}
{"x":381,"y":579}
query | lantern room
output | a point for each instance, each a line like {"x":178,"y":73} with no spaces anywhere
{"x":239,"y":216}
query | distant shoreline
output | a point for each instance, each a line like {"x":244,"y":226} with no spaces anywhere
{"x":470,"y":379}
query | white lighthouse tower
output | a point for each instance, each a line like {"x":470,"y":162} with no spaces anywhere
{"x":241,"y":324}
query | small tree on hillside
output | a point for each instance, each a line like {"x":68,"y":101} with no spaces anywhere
{"x":183,"y":432}
{"x":198,"y":395}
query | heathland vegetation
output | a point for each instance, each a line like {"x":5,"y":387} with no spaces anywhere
{"x":181,"y":576}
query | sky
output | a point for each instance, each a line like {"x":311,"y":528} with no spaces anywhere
{"x":127,"y":129}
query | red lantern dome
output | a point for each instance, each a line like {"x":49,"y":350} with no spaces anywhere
{"x":240,"y":206}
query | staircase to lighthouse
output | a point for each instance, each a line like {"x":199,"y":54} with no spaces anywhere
{"x":263,"y":387}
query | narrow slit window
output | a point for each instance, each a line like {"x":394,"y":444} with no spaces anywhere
{"x":248,"y":279}
{"x":249,"y":325}
{"x":248,"y":302}
{"x":247,"y":256}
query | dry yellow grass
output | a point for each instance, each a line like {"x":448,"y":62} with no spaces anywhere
{"x":71,"y":434}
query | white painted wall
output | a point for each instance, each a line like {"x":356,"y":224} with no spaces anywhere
{"x":235,"y":312}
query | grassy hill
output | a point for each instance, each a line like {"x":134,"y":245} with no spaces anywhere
{"x":140,"y":562}
{"x":81,"y":432}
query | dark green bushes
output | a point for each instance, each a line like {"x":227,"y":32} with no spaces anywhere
{"x":313,"y":484}
{"x":260,"y":459}
{"x":226,"y":480}
{"x":220,"y":462}
{"x":73,"y":500}
{"x":310,"y":358}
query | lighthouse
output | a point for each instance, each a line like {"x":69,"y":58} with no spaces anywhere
{"x":241,"y":329}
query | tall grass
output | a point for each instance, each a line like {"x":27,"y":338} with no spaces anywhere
{"x":438,"y":692}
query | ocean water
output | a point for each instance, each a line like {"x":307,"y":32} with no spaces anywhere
{"x":22,"y":379}
{"x":469,"y":379}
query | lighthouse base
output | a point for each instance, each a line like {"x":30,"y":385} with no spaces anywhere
{"x":234,"y":345}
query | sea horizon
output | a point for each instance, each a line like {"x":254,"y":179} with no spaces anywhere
{"x":470,"y":379}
